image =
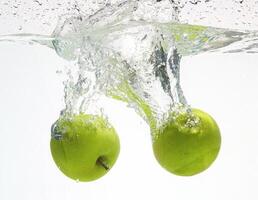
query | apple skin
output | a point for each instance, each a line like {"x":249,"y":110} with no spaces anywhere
{"x":187,"y":150}
{"x":84,"y":147}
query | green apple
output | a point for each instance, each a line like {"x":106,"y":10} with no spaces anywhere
{"x":188,"y":143}
{"x":84,"y":147}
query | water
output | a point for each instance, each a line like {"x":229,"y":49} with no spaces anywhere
{"x":137,"y":62}
{"x":131,"y":51}
{"x":121,"y":52}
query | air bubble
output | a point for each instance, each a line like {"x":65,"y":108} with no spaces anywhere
{"x":56,"y":133}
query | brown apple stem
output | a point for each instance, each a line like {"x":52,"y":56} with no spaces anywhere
{"x":101,"y":162}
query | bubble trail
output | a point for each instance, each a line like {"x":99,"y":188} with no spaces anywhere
{"x":131,"y":51}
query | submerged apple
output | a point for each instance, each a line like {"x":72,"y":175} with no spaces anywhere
{"x":187,"y":144}
{"x":84,"y":147}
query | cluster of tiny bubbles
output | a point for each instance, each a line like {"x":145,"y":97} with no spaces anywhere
{"x":58,"y":129}
{"x":191,"y":120}
{"x":182,"y":117}
{"x":185,"y":120}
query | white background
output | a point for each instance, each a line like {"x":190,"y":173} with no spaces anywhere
{"x":31,"y":95}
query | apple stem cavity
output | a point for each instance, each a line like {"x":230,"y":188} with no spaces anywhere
{"x":101,"y":162}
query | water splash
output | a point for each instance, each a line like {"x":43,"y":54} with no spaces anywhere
{"x":131,"y":51}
